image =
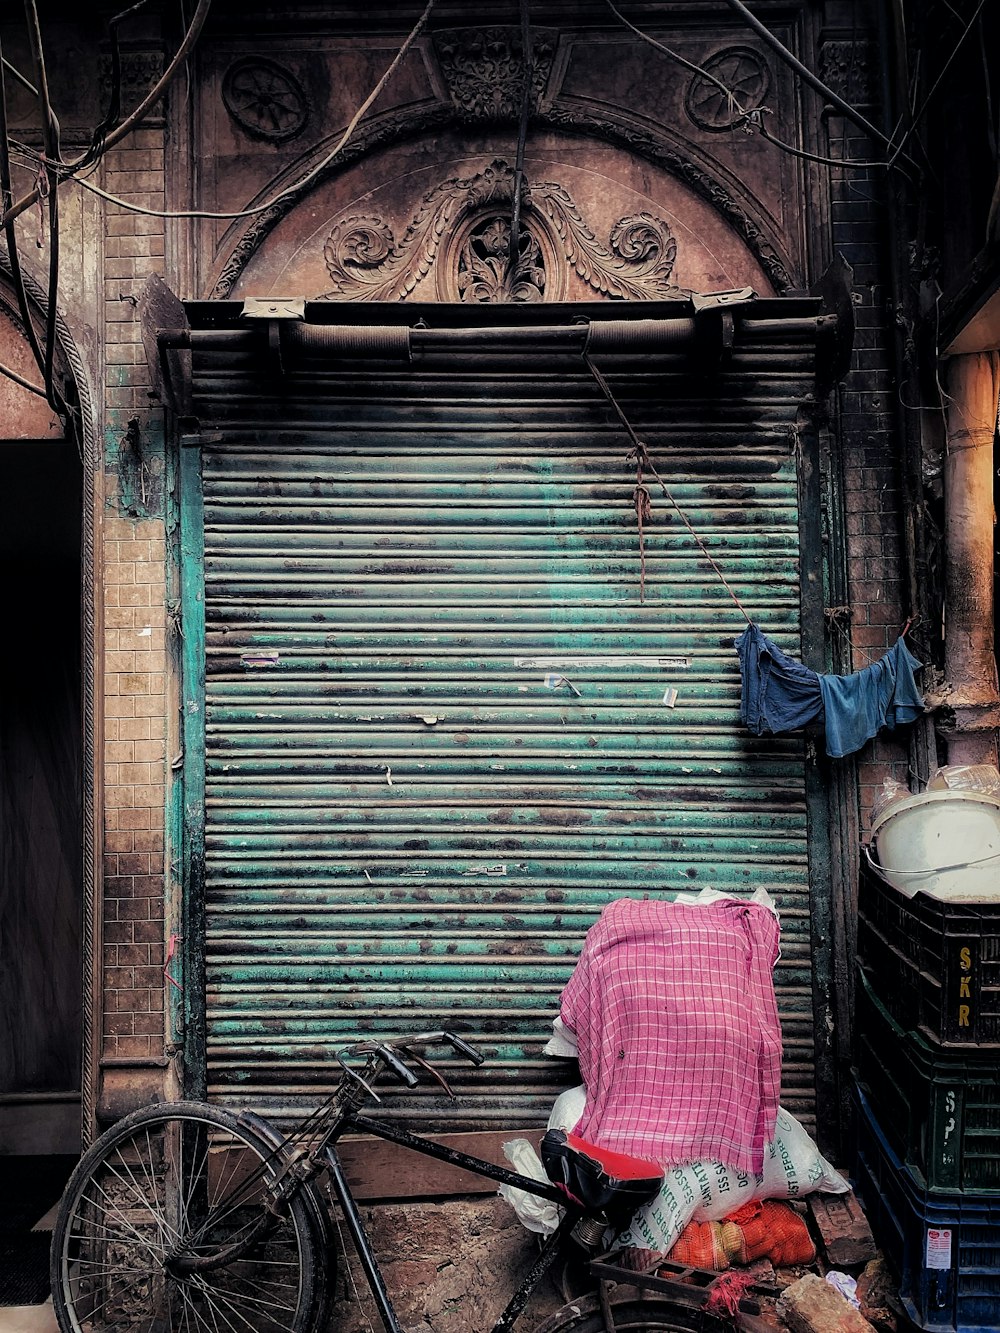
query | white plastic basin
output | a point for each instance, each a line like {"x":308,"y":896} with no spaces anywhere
{"x":942,"y":843}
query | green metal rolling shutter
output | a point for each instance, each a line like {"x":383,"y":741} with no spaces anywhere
{"x":406,"y":826}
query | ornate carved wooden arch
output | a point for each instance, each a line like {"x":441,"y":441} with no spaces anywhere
{"x":397,"y":128}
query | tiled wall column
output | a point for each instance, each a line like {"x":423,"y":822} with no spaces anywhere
{"x":134,"y":647}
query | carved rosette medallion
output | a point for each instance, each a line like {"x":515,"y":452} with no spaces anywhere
{"x":483,"y":70}
{"x":740,"y":69}
{"x":462,"y":232}
{"x":265,"y":99}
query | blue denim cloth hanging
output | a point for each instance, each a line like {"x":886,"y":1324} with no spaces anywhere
{"x":779,"y":693}
{"x":858,"y":706}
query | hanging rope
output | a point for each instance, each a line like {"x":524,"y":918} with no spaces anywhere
{"x":644,"y":462}
{"x":643,"y":512}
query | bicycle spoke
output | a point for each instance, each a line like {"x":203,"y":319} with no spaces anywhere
{"x":210,"y":1292}
{"x":155,"y":1213}
{"x":198,"y":1174}
{"x":113,"y":1215}
{"x":189,"y":1306}
{"x":117,"y":1295}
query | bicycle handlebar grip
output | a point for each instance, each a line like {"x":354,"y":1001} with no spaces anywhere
{"x":392,"y":1060}
{"x":464,"y":1048}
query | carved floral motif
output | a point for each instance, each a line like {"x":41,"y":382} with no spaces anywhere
{"x":655,"y":149}
{"x":367,"y":139}
{"x":485,"y":274}
{"x":366,"y":263}
{"x":848,"y":67}
{"x":140,"y":71}
{"x":484,"y":70}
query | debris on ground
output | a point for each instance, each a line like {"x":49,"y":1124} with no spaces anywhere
{"x":843,"y":1229}
{"x":812,"y":1305}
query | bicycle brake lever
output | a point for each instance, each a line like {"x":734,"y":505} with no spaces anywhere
{"x":434,"y":1073}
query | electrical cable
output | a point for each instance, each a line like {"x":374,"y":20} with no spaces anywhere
{"x":107,"y":124}
{"x":19,"y":379}
{"x":50,"y":136}
{"x":19,"y":76}
{"x":678,"y":58}
{"x":806,"y":74}
{"x":120,"y":131}
{"x":522,"y":134}
{"x":287,"y":193}
{"x":853,"y":162}
{"x":156,"y":92}
{"x":749,"y":120}
{"x":944,"y":70}
{"x":13,"y":255}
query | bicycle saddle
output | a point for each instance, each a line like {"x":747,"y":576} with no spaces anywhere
{"x":597,"y":1179}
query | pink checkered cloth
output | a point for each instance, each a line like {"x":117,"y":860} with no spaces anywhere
{"x":680,"y":1046}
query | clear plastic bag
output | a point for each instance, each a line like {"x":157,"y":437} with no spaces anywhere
{"x":892,"y":791}
{"x":966,"y":777}
{"x":538,"y":1215}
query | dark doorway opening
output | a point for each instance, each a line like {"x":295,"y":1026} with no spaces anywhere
{"x":40,"y":801}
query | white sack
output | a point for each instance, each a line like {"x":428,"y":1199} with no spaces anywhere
{"x":539,"y":1215}
{"x":710,"y":1191}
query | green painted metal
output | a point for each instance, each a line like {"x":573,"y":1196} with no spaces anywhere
{"x":405,"y":821}
{"x":192,"y":977}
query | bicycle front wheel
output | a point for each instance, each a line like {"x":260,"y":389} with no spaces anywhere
{"x":631,"y":1311}
{"x":164,"y":1228}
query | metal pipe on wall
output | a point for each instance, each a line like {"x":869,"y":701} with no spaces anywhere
{"x":973,"y":383}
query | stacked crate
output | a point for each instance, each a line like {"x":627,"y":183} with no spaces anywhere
{"x":927,"y":1046}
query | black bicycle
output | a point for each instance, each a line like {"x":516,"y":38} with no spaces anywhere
{"x":188,"y":1218}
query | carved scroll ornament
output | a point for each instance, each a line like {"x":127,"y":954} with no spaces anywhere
{"x":462,"y":231}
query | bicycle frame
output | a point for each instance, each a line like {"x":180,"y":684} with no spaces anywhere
{"x":348,"y":1120}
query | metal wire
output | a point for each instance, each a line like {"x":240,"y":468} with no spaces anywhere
{"x":752,"y":120}
{"x":15,"y":210}
{"x":50,"y":135}
{"x":290,"y":190}
{"x":643,"y":460}
{"x":13,"y":257}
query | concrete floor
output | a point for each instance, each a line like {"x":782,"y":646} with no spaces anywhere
{"x":27,"y":1318}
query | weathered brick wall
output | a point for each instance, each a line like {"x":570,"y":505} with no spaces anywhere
{"x":134,"y":619}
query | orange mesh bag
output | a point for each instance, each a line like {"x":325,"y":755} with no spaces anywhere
{"x":767,"y":1229}
{"x":700,"y":1245}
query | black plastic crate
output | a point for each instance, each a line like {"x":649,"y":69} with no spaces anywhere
{"x":939,"y":1108}
{"x":934,"y":965}
{"x":945,"y":1250}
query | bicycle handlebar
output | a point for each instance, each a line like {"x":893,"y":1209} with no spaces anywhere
{"x":430,"y":1038}
{"x":391,"y":1055}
